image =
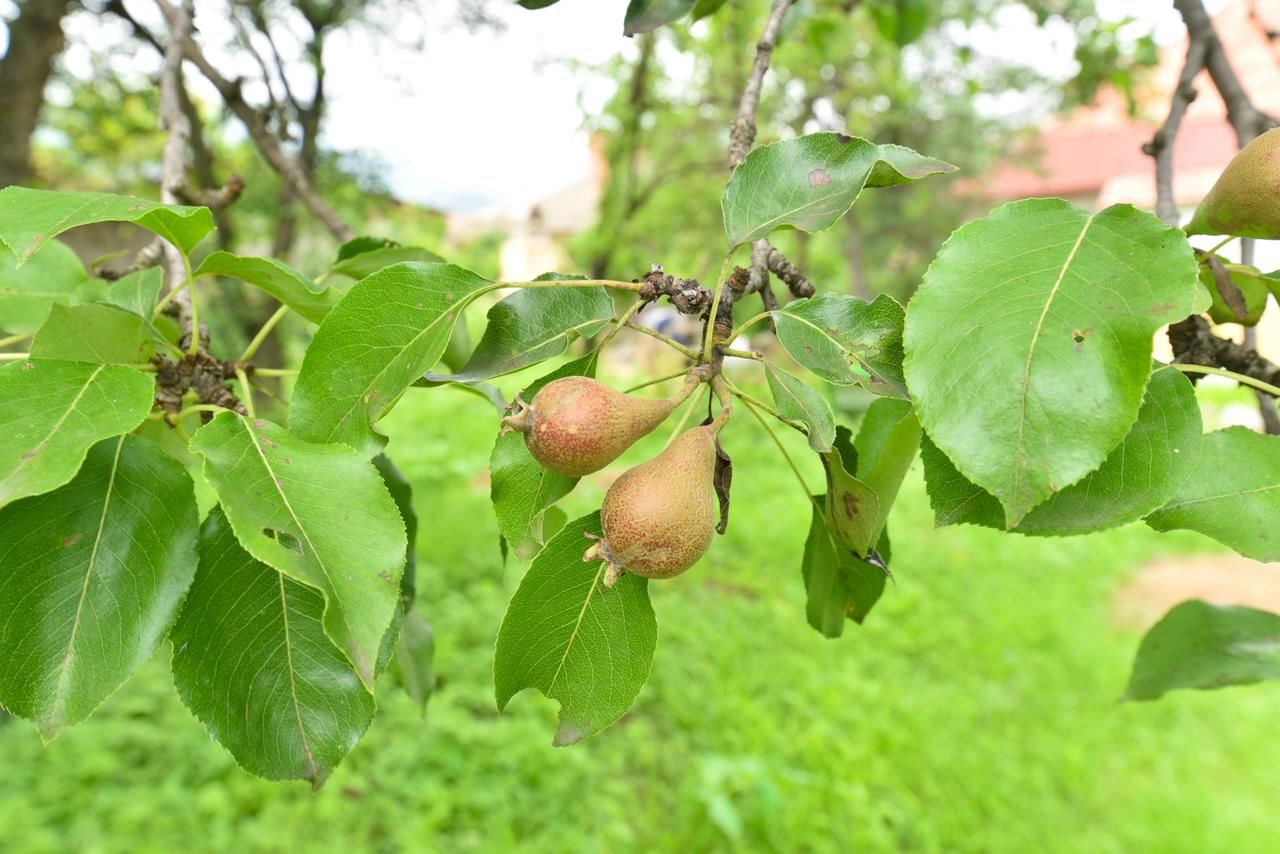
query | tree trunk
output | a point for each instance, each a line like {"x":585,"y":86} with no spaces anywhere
{"x":35,"y":40}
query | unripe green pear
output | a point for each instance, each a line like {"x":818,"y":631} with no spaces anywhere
{"x":1245,"y":201}
{"x":659,"y":517}
{"x":576,"y":425}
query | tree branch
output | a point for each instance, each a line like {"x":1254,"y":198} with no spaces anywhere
{"x":1247,"y":119}
{"x":173,"y":179}
{"x":1162,"y":144}
{"x":260,"y":21}
{"x":255,"y":124}
{"x":1204,"y":49}
{"x":197,"y":369}
{"x":742,"y":134}
{"x":1195,"y":344}
{"x":778,"y":264}
{"x":273,"y":103}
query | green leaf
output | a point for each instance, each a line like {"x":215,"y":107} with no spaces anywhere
{"x":391,"y":327}
{"x":956,"y":500}
{"x":53,"y":275}
{"x":1203,"y":646}
{"x":318,"y":513}
{"x":852,"y":508}
{"x":537,"y":4}
{"x":30,"y":217}
{"x":252,"y":663}
{"x":809,"y":182}
{"x":51,"y":412}
{"x":458,"y":350}
{"x":531,"y":326}
{"x":360,"y":245}
{"x":137,"y":292}
{"x":1233,"y":496}
{"x":706,"y":8}
{"x":402,"y":494}
{"x":1253,"y":287}
{"x":838,"y":584}
{"x":91,"y":576}
{"x":101,"y":334}
{"x":846,"y":341}
{"x":276,"y":278}
{"x":1029,"y":343}
{"x":1271,"y":280}
{"x":584,"y":645}
{"x":520,"y":488}
{"x":901,"y":21}
{"x":886,"y":444}
{"x":364,"y":264}
{"x":646,"y":15}
{"x":798,"y":401}
{"x":840,"y":580}
{"x":1141,"y":474}
{"x":412,"y":668}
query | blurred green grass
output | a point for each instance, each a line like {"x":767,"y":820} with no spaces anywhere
{"x":975,"y":711}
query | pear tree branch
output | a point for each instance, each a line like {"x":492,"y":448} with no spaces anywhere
{"x":287,"y":167}
{"x":1192,"y":340}
{"x":765,"y":259}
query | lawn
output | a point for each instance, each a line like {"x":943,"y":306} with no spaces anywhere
{"x":975,"y":711}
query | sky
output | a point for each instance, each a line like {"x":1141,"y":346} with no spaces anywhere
{"x":463,"y":119}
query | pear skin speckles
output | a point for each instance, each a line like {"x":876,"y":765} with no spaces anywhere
{"x":1245,"y":200}
{"x":576,"y":425}
{"x":660,"y":516}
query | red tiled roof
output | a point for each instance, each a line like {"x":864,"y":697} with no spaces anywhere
{"x":1080,"y":161}
{"x":1097,"y":150}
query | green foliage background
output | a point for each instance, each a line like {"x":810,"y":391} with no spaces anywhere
{"x":974,"y":711}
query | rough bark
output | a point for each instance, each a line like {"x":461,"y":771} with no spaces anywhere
{"x":255,"y":123}
{"x":35,"y":40}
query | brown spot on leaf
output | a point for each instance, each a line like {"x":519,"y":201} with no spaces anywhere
{"x":819,"y":178}
{"x":68,"y":542}
{"x":850,"y":505}
{"x":843,"y":138}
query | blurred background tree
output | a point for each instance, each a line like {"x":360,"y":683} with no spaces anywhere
{"x":974,"y":716}
{"x":896,"y":72}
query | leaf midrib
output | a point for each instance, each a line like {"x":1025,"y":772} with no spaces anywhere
{"x":768,"y":225}
{"x":506,"y":361}
{"x":573,"y":636}
{"x":1020,"y":449}
{"x":1256,"y":490}
{"x":279,"y":489}
{"x":293,"y":682}
{"x":782,"y":384}
{"x":39,"y":446}
{"x":416,"y":338}
{"x":64,"y":673}
{"x":825,"y":334}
